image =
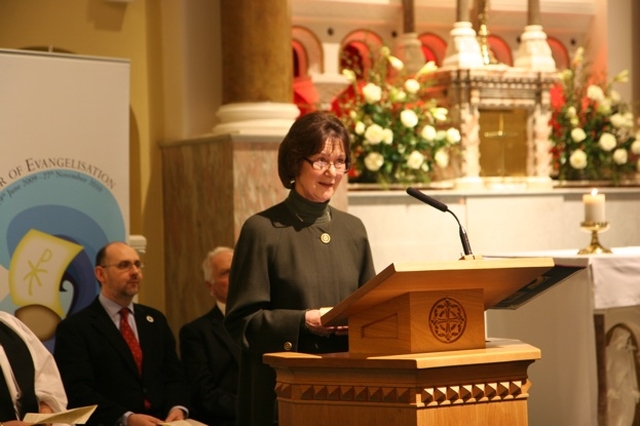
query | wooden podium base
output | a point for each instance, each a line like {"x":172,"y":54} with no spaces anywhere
{"x":467,"y":387}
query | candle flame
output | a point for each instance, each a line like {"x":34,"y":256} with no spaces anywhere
{"x":594,"y":191}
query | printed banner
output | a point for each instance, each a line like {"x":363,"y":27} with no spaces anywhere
{"x":64,"y":180}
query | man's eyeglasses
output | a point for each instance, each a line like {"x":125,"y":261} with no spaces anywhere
{"x":341,"y":166}
{"x":126,"y":265}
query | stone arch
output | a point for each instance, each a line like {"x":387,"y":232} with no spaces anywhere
{"x":307,"y":60}
{"x":356,"y":50}
{"x":434,"y":47}
{"x":559,"y":53}
{"x":500,"y":49}
{"x":307,"y":50}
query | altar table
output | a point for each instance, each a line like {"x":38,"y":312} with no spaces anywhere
{"x":588,"y":329}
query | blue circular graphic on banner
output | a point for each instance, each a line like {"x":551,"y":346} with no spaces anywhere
{"x":52,"y":223}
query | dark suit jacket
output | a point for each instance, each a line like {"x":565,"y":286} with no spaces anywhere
{"x":210,"y":360}
{"x":97,"y":366}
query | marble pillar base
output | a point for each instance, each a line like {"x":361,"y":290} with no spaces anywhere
{"x":463,"y":50}
{"x":328,"y":85}
{"x":255,"y":119}
{"x":534,"y":52}
{"x":409,"y":50}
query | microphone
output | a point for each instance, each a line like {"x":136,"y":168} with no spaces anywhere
{"x":464,"y":239}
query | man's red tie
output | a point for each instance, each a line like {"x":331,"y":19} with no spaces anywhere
{"x":133,"y":344}
{"x":130,"y":338}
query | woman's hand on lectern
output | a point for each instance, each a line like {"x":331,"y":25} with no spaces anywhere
{"x":313,"y":322}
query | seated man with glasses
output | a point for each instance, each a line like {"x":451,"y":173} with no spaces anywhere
{"x":121,"y":355}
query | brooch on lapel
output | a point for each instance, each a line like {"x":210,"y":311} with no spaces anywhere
{"x":150,"y":318}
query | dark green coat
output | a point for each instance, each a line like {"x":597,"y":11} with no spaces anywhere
{"x":281,"y":268}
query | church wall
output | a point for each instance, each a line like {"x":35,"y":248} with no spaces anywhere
{"x":620,"y":54}
{"x":120,"y":30}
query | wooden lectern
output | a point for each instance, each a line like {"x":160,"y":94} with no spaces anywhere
{"x":417,"y":351}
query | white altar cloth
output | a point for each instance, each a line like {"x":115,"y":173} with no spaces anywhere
{"x":616,"y":278}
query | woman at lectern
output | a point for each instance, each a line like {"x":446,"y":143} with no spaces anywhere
{"x":292,"y":259}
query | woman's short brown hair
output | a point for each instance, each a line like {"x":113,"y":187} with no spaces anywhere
{"x":307,"y":137}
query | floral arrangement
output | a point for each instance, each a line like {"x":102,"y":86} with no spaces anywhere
{"x":591,"y":128}
{"x":397,"y":135}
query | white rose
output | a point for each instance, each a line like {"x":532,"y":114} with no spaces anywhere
{"x":428,"y":133}
{"x":635,"y":147}
{"x":373,"y":161}
{"x":415,"y":160}
{"x":411,"y":85}
{"x":617,"y":120}
{"x":570,"y":112}
{"x":360,"y":128}
{"x":439,"y":114}
{"x":397,"y":95}
{"x":628,"y":120}
{"x":578,"y":159}
{"x":453,"y":135}
{"x":373,"y":134}
{"x":604,"y":106}
{"x":442,"y":158}
{"x":574,"y":121}
{"x":578,"y":135}
{"x":387,"y":136}
{"x":409,"y":118}
{"x":595,"y":93}
{"x":620,"y":156}
{"x":372,"y":93}
{"x":607,"y":141}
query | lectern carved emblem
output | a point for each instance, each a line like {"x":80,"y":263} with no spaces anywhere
{"x":447,"y":320}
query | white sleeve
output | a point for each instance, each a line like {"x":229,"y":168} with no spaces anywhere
{"x":48,"y":383}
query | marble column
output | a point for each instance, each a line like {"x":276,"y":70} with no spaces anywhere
{"x":257,"y":76}
{"x":462,"y":10}
{"x":534,"y":52}
{"x":533,"y":12}
{"x":409,"y":47}
{"x":463,"y":49}
{"x":408,"y":16}
{"x":213,"y":183}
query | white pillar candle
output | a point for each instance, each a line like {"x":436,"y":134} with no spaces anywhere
{"x":593,"y":206}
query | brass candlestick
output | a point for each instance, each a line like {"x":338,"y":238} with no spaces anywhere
{"x":595,"y":228}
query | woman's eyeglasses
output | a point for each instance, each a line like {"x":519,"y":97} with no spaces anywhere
{"x":341,"y":166}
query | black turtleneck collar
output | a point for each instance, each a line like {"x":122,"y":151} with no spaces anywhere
{"x":307,"y":211}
